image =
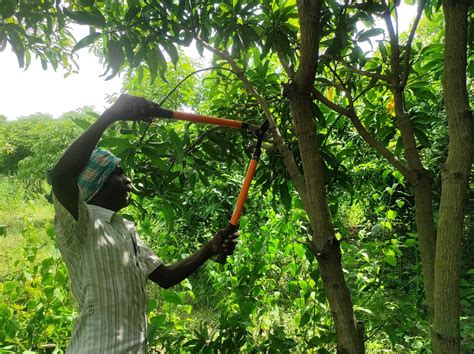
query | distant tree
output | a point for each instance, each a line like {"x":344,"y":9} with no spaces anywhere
{"x":31,"y":145}
{"x":37,"y":115}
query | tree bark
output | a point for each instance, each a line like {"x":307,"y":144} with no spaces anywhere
{"x":325,"y":244}
{"x":455,"y":174}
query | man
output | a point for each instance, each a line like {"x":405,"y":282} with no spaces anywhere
{"x":107,"y":262}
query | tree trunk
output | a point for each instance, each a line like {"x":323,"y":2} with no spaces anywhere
{"x":455,"y":174}
{"x":325,"y":244}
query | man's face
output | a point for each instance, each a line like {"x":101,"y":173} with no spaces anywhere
{"x":115,"y":194}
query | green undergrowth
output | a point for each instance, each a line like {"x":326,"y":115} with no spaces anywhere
{"x":268,"y":298}
{"x":24,"y":218}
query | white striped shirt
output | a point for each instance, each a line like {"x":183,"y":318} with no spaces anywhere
{"x":108,"y":266}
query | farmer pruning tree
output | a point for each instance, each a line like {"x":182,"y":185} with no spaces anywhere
{"x":107,"y":262}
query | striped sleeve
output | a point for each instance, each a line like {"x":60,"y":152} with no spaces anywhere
{"x":151,"y":260}
{"x":69,"y":231}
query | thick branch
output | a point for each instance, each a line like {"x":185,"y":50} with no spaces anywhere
{"x":406,"y":56}
{"x":395,"y":50}
{"x":403,"y":119}
{"x":309,"y":16}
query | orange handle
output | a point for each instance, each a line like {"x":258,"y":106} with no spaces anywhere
{"x":209,"y":120}
{"x":234,"y":220}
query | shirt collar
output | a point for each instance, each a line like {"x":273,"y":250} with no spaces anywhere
{"x":102,"y":213}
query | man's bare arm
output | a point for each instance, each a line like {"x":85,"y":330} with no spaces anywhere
{"x":167,"y":276}
{"x":64,"y":175}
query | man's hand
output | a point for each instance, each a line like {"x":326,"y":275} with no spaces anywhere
{"x":224,"y":241}
{"x":131,"y":108}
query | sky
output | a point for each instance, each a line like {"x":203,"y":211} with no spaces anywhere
{"x":24,"y":92}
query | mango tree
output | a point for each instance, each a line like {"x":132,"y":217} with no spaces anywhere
{"x":139,"y":32}
{"x":142,"y":31}
{"x":319,"y":60}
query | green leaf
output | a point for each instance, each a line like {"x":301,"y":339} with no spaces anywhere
{"x":152,"y":305}
{"x":84,"y":42}
{"x":317,"y":111}
{"x":365,"y":35}
{"x":168,"y":214}
{"x":92,"y":18}
{"x":81,"y":123}
{"x":115,"y":56}
{"x":177,"y":146}
{"x":392,"y":335}
{"x":422,"y":137}
{"x":162,"y":64}
{"x":383,"y":49}
{"x":305,"y":319}
{"x":299,"y":250}
{"x":391,"y":214}
{"x":132,"y":13}
{"x":390,"y":259}
{"x":285,"y":195}
{"x":16,"y":42}
{"x":152,"y":62}
{"x":155,"y":322}
{"x":172,"y":52}
{"x":172,"y":297}
{"x":8,"y":8}
{"x":400,"y":203}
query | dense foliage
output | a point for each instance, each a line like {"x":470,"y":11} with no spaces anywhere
{"x":270,"y":296}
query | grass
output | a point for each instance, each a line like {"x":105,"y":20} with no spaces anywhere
{"x":26,"y":217}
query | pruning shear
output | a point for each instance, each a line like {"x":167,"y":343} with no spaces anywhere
{"x":229,"y":123}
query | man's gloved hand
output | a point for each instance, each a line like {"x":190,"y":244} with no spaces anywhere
{"x":224,"y":241}
{"x":131,"y":108}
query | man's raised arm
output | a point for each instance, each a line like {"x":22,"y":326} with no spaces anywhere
{"x":66,"y":172}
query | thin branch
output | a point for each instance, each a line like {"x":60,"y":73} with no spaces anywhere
{"x":377,"y":145}
{"x":335,"y":107}
{"x":403,"y":120}
{"x":406,"y":56}
{"x":394,"y":59}
{"x":367,"y":89}
{"x":187,"y":77}
{"x":287,"y":155}
{"x":426,"y":73}
{"x":366,"y":73}
{"x":363,"y":132}
{"x":342,"y":85}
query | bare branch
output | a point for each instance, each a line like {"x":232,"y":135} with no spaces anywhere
{"x":406,"y":56}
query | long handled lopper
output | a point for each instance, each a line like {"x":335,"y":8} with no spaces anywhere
{"x":229,"y":123}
